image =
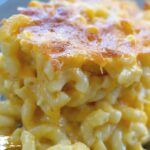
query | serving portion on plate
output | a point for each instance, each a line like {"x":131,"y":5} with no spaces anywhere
{"x":76,"y":75}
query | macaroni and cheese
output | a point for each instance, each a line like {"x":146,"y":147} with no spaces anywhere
{"x":76,"y":75}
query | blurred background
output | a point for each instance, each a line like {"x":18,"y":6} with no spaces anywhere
{"x":8,"y":7}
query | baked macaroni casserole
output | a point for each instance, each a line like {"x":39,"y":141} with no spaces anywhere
{"x":76,"y":75}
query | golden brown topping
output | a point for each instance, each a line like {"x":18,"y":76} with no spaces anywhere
{"x":147,"y":4}
{"x":68,"y":28}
